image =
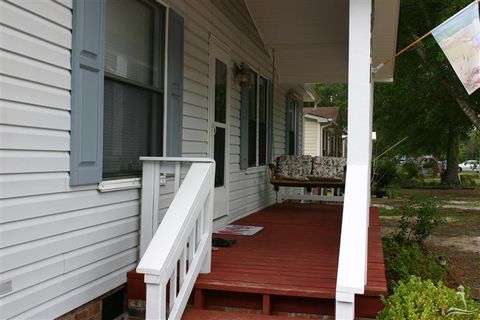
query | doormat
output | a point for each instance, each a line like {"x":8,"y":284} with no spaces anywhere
{"x":239,"y":230}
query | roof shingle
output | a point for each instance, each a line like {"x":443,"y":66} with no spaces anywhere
{"x":325,"y":112}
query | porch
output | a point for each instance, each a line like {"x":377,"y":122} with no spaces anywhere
{"x":289,"y":266}
{"x":327,"y":254}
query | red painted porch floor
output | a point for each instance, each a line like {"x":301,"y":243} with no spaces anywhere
{"x":290,"y":265}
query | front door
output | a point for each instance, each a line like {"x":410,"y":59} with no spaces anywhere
{"x":219,"y":98}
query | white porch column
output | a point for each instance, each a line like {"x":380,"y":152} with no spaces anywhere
{"x":352,"y":267}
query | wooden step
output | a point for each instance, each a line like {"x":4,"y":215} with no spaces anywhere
{"x":199,"y":314}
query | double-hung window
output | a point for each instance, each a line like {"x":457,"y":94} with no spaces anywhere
{"x":133,"y":97}
{"x":120,"y":75}
{"x":257,"y":120}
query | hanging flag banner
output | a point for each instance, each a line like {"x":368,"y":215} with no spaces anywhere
{"x":459,"y":38}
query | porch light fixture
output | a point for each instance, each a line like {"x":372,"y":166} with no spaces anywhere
{"x":241,"y":74}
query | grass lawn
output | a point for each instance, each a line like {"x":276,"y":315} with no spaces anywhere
{"x":467,"y":178}
{"x":458,"y":239}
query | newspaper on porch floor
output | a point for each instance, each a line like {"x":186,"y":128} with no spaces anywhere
{"x":236,"y":229}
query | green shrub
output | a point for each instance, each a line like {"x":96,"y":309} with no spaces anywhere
{"x":418,"y":220}
{"x":418,"y":299}
{"x":408,"y":173}
{"x":410,"y":169}
{"x":386,"y":173}
{"x":404,"y":259}
{"x":468,"y":180}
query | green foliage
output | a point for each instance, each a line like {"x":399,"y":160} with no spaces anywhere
{"x":385,"y":173}
{"x":334,"y":95}
{"x":418,"y":220}
{"x":403,"y":259}
{"x":418,"y":299}
{"x":408,"y":173}
{"x":468,"y":180}
{"x":470,"y":147}
{"x":403,"y":253}
{"x":410,"y":169}
{"x":417,"y":103}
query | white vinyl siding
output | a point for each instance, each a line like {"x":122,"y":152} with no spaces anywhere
{"x":311,"y":144}
{"x":202,"y":19}
{"x":60,"y":246}
{"x":63,"y":246}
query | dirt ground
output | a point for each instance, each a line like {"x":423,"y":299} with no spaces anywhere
{"x":458,"y":239}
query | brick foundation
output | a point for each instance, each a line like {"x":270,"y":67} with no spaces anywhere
{"x":93,"y":310}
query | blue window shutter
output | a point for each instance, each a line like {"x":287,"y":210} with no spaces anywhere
{"x":244,"y":101}
{"x":86,"y":142}
{"x":175,"y":85}
{"x":270,"y":149}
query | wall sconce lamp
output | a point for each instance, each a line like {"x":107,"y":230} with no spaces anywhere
{"x":241,"y":74}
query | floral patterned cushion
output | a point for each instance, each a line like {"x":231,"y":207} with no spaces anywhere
{"x":294,"y":167}
{"x":328,"y":168}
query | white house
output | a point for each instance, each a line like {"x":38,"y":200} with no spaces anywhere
{"x":89,"y":86}
{"x":323,"y":132}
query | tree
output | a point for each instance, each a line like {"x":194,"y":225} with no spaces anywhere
{"x":334,"y":95}
{"x":426,"y":102}
{"x":470,"y":148}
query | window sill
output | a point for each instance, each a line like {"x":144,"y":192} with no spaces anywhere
{"x":119,"y":184}
{"x":255,"y":170}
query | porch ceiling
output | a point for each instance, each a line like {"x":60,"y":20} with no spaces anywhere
{"x":310,"y":37}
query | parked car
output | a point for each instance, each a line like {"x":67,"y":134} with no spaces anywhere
{"x":469,"y":165}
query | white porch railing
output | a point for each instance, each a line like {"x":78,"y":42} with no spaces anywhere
{"x":181,"y":246}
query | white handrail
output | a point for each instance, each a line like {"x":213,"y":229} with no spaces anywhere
{"x":181,"y":246}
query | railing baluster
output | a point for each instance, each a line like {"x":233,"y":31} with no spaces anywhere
{"x":199,"y":232}
{"x":208,"y":205}
{"x":191,"y":247}
{"x":194,"y":238}
{"x":173,"y":288}
{"x":201,"y":220}
{"x":183,"y":265}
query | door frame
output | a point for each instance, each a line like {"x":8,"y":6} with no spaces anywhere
{"x":219,"y":49}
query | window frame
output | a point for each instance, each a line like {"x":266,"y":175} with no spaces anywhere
{"x":87,"y":101}
{"x":158,"y":86}
{"x":259,"y":77}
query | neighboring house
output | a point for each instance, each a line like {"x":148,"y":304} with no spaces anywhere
{"x":87,"y":87}
{"x":323,"y":132}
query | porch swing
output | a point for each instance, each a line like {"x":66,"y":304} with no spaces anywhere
{"x":309,"y":172}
